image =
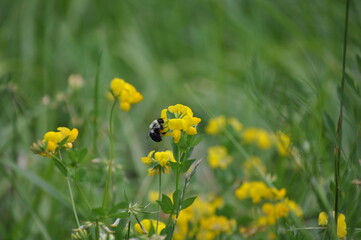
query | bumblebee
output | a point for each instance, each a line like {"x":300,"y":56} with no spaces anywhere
{"x":156,"y":130}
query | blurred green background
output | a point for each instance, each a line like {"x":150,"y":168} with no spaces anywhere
{"x":272,"y":64}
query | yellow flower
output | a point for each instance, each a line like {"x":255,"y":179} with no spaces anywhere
{"x":341,"y":223}
{"x":258,"y":136}
{"x":259,"y":191}
{"x":164,"y":158}
{"x":70,"y":134}
{"x":279,"y":194}
{"x":341,"y":226}
{"x":158,"y":161}
{"x":215,"y":125}
{"x":125,"y":93}
{"x":294,"y":207}
{"x":237,"y":126}
{"x":148,"y":160}
{"x":153,"y":196}
{"x":218,"y":157}
{"x":178,"y":119}
{"x":217,"y":225}
{"x":243,"y":191}
{"x":153,"y":171}
{"x":322,"y":219}
{"x":270,"y":214}
{"x":282,"y":209}
{"x":146,"y":226}
{"x":51,"y":141}
{"x":283,"y":143}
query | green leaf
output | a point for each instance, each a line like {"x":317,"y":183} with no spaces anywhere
{"x":99,"y":212}
{"x":60,"y":166}
{"x":151,"y":230}
{"x":189,"y":153}
{"x":80,"y":175}
{"x":195,"y":141}
{"x":188,"y":202}
{"x":166,"y":204}
{"x":186,"y":165}
{"x":176,"y":198}
{"x":174,"y":165}
{"x":167,"y":231}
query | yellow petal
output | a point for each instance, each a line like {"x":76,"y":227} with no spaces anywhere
{"x":177,"y":135}
{"x":125,"y":106}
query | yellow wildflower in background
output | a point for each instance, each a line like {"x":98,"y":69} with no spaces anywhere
{"x":283,"y":143}
{"x":125,"y":93}
{"x":215,"y":125}
{"x":147,"y":224}
{"x":258,"y":136}
{"x":258,"y":191}
{"x":322,"y":219}
{"x":179,"y":119}
{"x":218,"y":157}
{"x":200,"y":221}
{"x":341,"y":226}
{"x":237,"y":126}
{"x":255,"y":190}
{"x":272,"y":212}
{"x":214,"y":226}
{"x":158,"y":162}
{"x":52,"y":140}
{"x":153,"y":196}
{"x":341,"y":223}
{"x":294,"y":207}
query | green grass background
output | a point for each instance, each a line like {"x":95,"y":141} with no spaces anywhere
{"x":272,"y":64}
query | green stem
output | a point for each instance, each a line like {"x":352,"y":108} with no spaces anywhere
{"x":97,"y":233}
{"x":178,"y":159}
{"x":338,"y":145}
{"x":179,"y":206}
{"x":128,"y":234}
{"x":72,"y":203}
{"x":107,"y":190}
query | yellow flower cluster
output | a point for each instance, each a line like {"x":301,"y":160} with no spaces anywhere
{"x":200,"y":221}
{"x":158,"y":162}
{"x":261,"y":137}
{"x":218,"y":157}
{"x":125,"y":92}
{"x":52,"y":140}
{"x":147,"y":224}
{"x":259,"y":191}
{"x":271,"y":211}
{"x":341,"y":223}
{"x":177,"y":119}
{"x":216,"y":125}
{"x":264,"y":139}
